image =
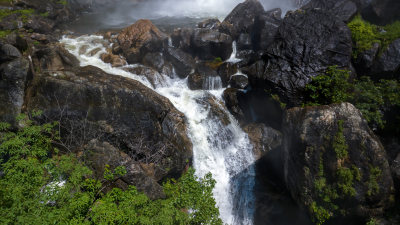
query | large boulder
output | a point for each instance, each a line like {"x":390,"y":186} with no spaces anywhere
{"x":182,"y":61}
{"x":263,"y":138}
{"x":334,"y":165}
{"x":382,"y":11}
{"x":13,"y":79}
{"x":140,"y":38}
{"x":380,"y":63}
{"x":307,"y":43}
{"x":387,"y":65}
{"x":241,"y":19}
{"x":91,"y":104}
{"x":204,"y":77}
{"x":343,"y":9}
{"x":102,"y":155}
{"x":209,"y":44}
{"x":8,"y":52}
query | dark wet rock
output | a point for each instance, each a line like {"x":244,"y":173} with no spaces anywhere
{"x":155,"y":60}
{"x":152,"y":75}
{"x":263,"y":138}
{"x":182,"y":61}
{"x":195,"y":81}
{"x":313,"y":165}
{"x":387,"y":65}
{"x":54,"y":57}
{"x":307,"y":43}
{"x":139,"y":39}
{"x":243,"y":16}
{"x":216,"y":112}
{"x":226,"y":70}
{"x":345,"y":10}
{"x":18,"y":41}
{"x":231,"y":98}
{"x":121,"y":111}
{"x":209,"y":44}
{"x":203,"y":78}
{"x":8,"y":52}
{"x":382,"y":11}
{"x":260,"y":107}
{"x":181,"y":38}
{"x":239,"y":81}
{"x":97,"y":155}
{"x":114,"y":60}
{"x":13,"y":78}
{"x":365,"y":60}
{"x":267,"y":26}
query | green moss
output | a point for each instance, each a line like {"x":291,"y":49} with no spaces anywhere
{"x":320,"y":213}
{"x":373,"y":186}
{"x":365,"y":35}
{"x":63,"y":2}
{"x":4,"y":33}
{"x":22,"y":13}
{"x":345,"y":179}
{"x":339,"y":143}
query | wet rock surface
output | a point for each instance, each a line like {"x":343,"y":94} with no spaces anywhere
{"x":312,"y":154}
{"x":118,"y":110}
{"x":301,"y":52}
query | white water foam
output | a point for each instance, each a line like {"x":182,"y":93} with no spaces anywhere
{"x":219,"y":144}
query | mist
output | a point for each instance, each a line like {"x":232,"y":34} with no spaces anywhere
{"x":120,"y":13}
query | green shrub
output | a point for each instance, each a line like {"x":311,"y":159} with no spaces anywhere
{"x":364,"y":35}
{"x":39,"y":185}
{"x":331,"y":87}
{"x":371,"y":98}
{"x":339,"y":143}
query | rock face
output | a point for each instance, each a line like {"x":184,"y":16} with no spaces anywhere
{"x":92,"y":104}
{"x":382,"y":11}
{"x":97,"y":155}
{"x":307,"y":43}
{"x":140,"y":38}
{"x":332,"y":159}
{"x":343,"y":9}
{"x":387,"y":65}
{"x":384,"y":64}
{"x":13,"y":79}
{"x":208,"y":44}
{"x":263,"y":138}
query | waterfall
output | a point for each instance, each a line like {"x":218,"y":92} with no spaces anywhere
{"x":232,"y":58}
{"x":219,"y":144}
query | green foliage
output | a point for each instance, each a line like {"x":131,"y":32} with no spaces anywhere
{"x":374,"y":174}
{"x":320,"y":213}
{"x":345,"y":179}
{"x":364,"y":35}
{"x":331,"y":87}
{"x":368,"y":96}
{"x":39,"y":185}
{"x":339,"y":142}
{"x":4,"y":33}
{"x":372,"y":221}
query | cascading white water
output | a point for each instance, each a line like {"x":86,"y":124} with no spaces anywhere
{"x":219,"y":144}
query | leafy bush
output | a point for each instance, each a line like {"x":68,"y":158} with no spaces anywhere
{"x":371,"y":98}
{"x":331,"y":87}
{"x":364,"y":35}
{"x":39,"y":185}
